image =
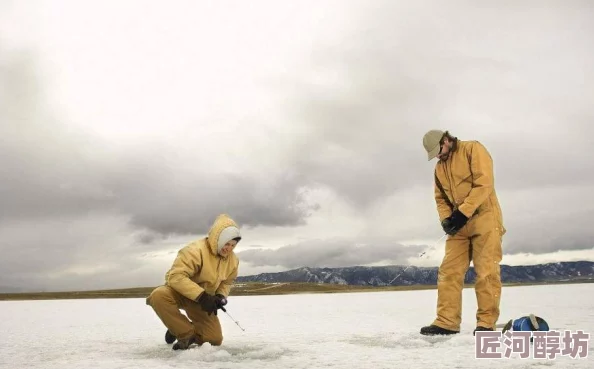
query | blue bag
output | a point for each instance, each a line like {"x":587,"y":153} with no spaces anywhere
{"x":527,"y":323}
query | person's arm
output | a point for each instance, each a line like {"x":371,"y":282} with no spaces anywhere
{"x":187,"y":263}
{"x":481,"y":167}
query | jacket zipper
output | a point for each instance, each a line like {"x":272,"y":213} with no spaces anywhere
{"x":218,"y":272}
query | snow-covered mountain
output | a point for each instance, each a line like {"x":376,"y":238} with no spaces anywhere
{"x":385,"y":275}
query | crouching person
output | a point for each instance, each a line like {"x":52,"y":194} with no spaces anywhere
{"x":198,"y":282}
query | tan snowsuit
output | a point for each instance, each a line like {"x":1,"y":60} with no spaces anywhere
{"x":468,"y":182}
{"x":197,"y":268}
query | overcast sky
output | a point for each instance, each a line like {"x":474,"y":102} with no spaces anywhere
{"x":126,"y":127}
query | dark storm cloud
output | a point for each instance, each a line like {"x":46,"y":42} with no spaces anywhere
{"x":332,"y":253}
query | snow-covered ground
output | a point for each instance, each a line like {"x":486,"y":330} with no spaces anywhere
{"x":346,"y":330}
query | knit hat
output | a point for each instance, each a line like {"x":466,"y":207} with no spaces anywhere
{"x":228,"y":234}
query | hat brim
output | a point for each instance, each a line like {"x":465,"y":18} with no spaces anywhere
{"x":433,"y":153}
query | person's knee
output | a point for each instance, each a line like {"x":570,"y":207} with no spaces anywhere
{"x":217,"y":342}
{"x":159,"y":295}
{"x":450,"y":274}
{"x":214,"y":340}
{"x":487,"y":269}
{"x":487,"y":278}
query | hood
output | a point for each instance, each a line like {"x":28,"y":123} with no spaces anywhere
{"x":223,"y":230}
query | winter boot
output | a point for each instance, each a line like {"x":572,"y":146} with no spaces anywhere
{"x":481,"y":329}
{"x":184,"y":344}
{"x":169,"y":337}
{"x":432,"y":330}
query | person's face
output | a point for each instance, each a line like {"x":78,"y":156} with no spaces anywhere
{"x":229,"y":246}
{"x":446,"y":146}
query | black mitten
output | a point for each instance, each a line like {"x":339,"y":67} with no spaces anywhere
{"x":446,"y":225}
{"x":457,"y":221}
{"x":208,"y":303}
{"x":221,"y":301}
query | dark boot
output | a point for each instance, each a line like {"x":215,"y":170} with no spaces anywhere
{"x":184,"y":344}
{"x":169,"y":337}
{"x":432,"y":330}
{"x":481,"y":329}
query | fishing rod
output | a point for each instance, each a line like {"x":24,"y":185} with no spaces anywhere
{"x":235,"y":321}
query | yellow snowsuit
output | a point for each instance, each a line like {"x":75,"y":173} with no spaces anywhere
{"x":197,"y":268}
{"x":467,"y":181}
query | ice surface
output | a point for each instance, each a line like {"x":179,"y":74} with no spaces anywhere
{"x":345,"y":330}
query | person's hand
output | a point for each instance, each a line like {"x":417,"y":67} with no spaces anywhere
{"x":454,"y":223}
{"x":446,"y":225}
{"x":208,"y":303}
{"x":220,"y":301}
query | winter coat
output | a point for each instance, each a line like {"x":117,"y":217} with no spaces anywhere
{"x":198,"y":267}
{"x":468,"y":182}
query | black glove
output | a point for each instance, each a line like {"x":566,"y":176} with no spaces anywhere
{"x":455,"y":222}
{"x":220,"y":301}
{"x":446,"y":225}
{"x":208,"y":303}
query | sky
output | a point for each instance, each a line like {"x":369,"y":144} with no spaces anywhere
{"x":127,"y":127}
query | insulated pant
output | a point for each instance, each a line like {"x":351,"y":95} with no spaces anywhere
{"x":480,"y":241}
{"x":167,"y":302}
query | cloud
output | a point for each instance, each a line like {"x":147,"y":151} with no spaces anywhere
{"x":70,"y":252}
{"x":331,"y":253}
{"x":50,"y":168}
{"x":522,"y":87}
{"x":81,"y":212}
{"x":548,"y":219}
{"x":127,"y":154}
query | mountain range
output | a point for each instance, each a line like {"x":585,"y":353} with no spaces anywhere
{"x":396,"y":275}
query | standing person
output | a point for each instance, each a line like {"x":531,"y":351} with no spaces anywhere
{"x":470,"y":214}
{"x":198,"y":282}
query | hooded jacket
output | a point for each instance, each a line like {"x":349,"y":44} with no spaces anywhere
{"x":199,"y":268}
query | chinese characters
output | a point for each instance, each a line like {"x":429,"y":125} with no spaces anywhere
{"x":537,"y":344}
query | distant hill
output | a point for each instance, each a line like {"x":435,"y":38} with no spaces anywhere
{"x":350,"y":279}
{"x":384,"y":275}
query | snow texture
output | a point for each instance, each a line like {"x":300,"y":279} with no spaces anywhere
{"x":345,"y":330}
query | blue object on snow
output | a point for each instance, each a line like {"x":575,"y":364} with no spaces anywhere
{"x":530,"y":323}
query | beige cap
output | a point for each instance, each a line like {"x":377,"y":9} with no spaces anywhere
{"x":431,"y":142}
